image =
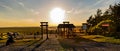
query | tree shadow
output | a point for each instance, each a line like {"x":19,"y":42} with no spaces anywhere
{"x":79,"y":42}
{"x":38,"y":45}
{"x":2,"y":46}
{"x":22,"y":49}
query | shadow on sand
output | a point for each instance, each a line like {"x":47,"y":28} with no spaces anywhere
{"x":79,"y":42}
{"x":38,"y":45}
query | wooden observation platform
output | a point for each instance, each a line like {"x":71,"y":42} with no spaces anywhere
{"x":65,"y":30}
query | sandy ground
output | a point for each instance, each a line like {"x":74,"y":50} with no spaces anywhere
{"x":87,"y":45}
{"x":56,"y":44}
{"x":39,"y":45}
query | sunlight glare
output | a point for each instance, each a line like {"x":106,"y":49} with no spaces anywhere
{"x":57,"y":15}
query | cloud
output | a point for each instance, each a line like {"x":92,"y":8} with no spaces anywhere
{"x":35,"y":12}
{"x":103,"y":3}
{"x":100,"y":4}
{"x":20,"y":3}
{"x":7,"y":7}
{"x":83,"y":12}
{"x":70,"y":11}
{"x":27,"y":9}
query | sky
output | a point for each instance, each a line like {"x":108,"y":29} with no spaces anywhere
{"x":31,"y":12}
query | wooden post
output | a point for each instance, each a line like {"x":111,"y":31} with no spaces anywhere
{"x":46,"y":28}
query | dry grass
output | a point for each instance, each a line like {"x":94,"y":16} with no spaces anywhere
{"x":99,"y":38}
{"x":21,"y":42}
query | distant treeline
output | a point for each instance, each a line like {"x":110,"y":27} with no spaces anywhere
{"x":23,"y":30}
{"x":111,"y":19}
{"x":26,"y":30}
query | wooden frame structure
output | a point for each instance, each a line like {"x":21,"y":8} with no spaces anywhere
{"x":44,"y":28}
{"x":65,"y":30}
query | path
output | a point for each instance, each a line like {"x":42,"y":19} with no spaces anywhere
{"x":71,"y":45}
{"x":52,"y":44}
{"x":87,"y":45}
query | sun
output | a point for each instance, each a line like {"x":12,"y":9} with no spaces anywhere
{"x":57,"y":15}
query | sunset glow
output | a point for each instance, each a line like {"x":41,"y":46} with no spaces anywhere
{"x":22,"y":13}
{"x":57,"y":15}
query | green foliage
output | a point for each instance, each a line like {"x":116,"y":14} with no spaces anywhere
{"x":110,"y":16}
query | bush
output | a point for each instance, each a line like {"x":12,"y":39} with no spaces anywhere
{"x":117,"y":35}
